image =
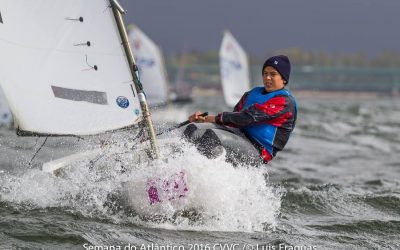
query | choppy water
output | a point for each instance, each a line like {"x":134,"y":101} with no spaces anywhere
{"x":336,"y":186}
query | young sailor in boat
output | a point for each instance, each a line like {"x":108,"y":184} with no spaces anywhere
{"x":258,"y":127}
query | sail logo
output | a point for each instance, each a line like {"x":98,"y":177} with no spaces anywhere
{"x":231,"y":64}
{"x":145,"y":62}
{"x":136,"y":44}
{"x":123,"y":102}
{"x":232,"y":49}
{"x":228,"y":66}
{"x":229,"y":47}
{"x":235,"y":65}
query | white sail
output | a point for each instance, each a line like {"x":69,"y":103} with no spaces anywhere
{"x":63,"y":68}
{"x":5,"y":113}
{"x":234,"y":69}
{"x":151,"y":66}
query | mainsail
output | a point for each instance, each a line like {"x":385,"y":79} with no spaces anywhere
{"x":64,"y":69}
{"x":150,"y":61}
{"x":234,"y":69}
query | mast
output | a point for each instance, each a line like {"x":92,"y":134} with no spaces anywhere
{"x":118,"y":11}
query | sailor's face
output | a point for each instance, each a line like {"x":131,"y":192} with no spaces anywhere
{"x":272,"y":79}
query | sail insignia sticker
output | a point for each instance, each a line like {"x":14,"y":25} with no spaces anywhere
{"x":123,"y":102}
{"x":78,"y":95}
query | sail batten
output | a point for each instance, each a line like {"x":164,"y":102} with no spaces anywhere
{"x":234,"y":69}
{"x":64,"y":69}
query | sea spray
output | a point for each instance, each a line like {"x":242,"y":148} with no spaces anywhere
{"x":220,"y":197}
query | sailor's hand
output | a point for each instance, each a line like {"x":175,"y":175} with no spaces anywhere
{"x":196,"y":117}
{"x":209,"y":118}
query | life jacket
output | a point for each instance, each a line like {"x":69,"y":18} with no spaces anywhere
{"x":263,"y":133}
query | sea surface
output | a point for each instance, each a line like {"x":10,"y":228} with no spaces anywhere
{"x":335,"y":186}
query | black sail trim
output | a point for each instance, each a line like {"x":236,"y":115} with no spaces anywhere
{"x":26,"y":133}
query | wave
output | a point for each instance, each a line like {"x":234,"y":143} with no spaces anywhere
{"x":376,"y":227}
{"x":220,"y":197}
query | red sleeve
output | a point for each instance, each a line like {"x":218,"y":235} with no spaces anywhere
{"x":272,"y":106}
{"x":277,"y":109}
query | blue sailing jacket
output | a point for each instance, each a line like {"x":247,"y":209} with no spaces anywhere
{"x":264,"y":133}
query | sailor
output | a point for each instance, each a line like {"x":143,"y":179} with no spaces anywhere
{"x":260,"y":124}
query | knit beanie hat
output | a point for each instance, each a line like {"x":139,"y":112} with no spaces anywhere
{"x":281,"y":63}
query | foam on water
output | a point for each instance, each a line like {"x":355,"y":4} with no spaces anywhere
{"x":227,"y":198}
{"x":220,"y":197}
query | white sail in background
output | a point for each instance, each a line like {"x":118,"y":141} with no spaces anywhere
{"x":63,"y":68}
{"x":5,"y":114}
{"x":151,"y":66}
{"x":234,"y":69}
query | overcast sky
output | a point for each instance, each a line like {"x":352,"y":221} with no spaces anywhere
{"x":262,"y":26}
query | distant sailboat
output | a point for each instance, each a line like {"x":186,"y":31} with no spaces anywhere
{"x":5,"y":113}
{"x":234,"y":69}
{"x":182,"y":91}
{"x":67,"y":69}
{"x":151,"y":65}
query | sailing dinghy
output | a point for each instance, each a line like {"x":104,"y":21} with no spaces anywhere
{"x":67,"y":69}
{"x":234,"y":69}
{"x":151,"y":65}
